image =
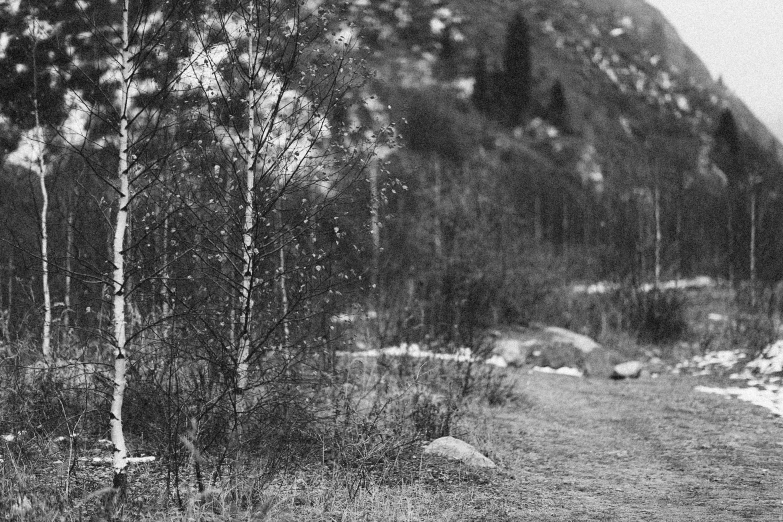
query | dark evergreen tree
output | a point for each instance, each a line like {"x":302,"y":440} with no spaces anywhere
{"x":518,"y":64}
{"x":481,"y":88}
{"x":658,"y":42}
{"x":726,"y":154}
{"x":447,"y":50}
{"x":727,"y":147}
{"x":557,"y":111}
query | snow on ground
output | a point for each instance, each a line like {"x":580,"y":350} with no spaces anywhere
{"x":770,"y":361}
{"x":573,"y":372}
{"x":709,"y":362}
{"x":768,"y":397}
{"x":762,"y":388}
{"x":461,"y":355}
{"x":414,"y":350}
{"x":682,"y":284}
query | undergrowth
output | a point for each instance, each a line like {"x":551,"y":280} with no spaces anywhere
{"x":365,"y":431}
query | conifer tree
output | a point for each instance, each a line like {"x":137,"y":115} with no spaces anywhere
{"x":481,"y":87}
{"x":727,"y":157}
{"x":727,"y":146}
{"x":557,"y":111}
{"x":518,"y":63}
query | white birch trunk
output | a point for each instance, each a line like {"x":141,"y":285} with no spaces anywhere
{"x":5,"y":313}
{"x":40,"y":167}
{"x":246,"y":297}
{"x":375,"y":227}
{"x":164,"y":273}
{"x":283,"y":283}
{"x":46,"y":335}
{"x":120,"y":452}
{"x":68,"y":270}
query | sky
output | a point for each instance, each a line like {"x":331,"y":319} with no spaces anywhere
{"x":740,"y":40}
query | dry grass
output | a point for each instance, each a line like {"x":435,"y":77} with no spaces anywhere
{"x":567,"y":449}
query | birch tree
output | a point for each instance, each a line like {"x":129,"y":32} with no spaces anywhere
{"x":267,"y":81}
{"x":37,"y":31}
{"x":30,"y":154}
{"x":112,"y":129}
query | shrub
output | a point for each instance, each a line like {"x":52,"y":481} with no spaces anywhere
{"x":658,"y":317}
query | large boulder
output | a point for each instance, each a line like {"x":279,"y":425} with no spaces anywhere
{"x":456,"y":449}
{"x":546,"y":346}
{"x":578,"y":341}
{"x":557,"y":355}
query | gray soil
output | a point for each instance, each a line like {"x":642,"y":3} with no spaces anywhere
{"x":653,"y":449}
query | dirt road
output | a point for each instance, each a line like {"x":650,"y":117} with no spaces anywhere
{"x":580,"y":449}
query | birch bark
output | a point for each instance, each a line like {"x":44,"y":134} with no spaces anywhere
{"x":40,"y":168}
{"x":120,"y":452}
{"x":250,"y":151}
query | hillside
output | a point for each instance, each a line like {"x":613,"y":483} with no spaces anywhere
{"x":639,"y":115}
{"x":649,"y":21}
{"x":571,"y":39}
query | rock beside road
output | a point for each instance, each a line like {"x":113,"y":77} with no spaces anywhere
{"x":556,"y":348}
{"x":456,"y":449}
{"x":552,"y":347}
{"x":513,"y":349}
{"x":628,"y":370}
{"x":601,"y":363}
{"x":562,"y":336}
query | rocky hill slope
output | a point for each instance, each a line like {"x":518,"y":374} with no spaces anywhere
{"x":638,"y":109}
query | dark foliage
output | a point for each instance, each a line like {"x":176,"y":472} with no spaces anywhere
{"x":518,"y":65}
{"x":658,"y":316}
{"x":557,"y":110}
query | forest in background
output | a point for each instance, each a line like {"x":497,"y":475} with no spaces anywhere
{"x":192,"y":195}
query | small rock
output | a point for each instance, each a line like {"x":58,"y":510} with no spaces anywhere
{"x":513,"y":350}
{"x":452,"y":448}
{"x":628,"y":370}
{"x":600,"y":363}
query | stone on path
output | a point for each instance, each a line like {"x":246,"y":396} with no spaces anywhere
{"x":513,"y":349}
{"x":628,"y":370}
{"x":452,"y":448}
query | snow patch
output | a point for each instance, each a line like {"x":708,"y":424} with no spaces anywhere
{"x":437,"y":26}
{"x":682,"y":284}
{"x":414,"y":350}
{"x":770,"y":399}
{"x":571,"y":372}
{"x":464,"y":87}
{"x":770,"y":360}
{"x":762,"y":386}
{"x":5,"y":39}
{"x":682,"y":103}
